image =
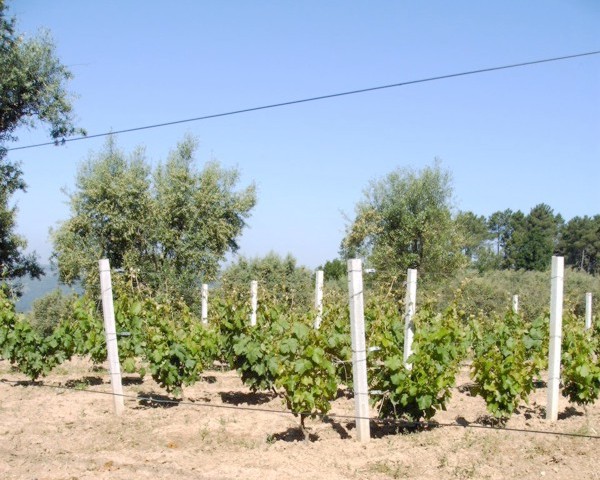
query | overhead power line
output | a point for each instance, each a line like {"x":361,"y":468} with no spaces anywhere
{"x":306,"y":100}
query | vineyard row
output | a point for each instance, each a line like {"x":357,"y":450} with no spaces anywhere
{"x":411,"y":358}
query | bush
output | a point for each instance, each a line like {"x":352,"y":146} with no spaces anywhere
{"x":491,"y":292}
{"x":49,"y":310}
{"x":280,"y":280}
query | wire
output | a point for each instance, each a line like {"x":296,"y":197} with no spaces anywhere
{"x":305,"y":100}
{"x":388,"y":421}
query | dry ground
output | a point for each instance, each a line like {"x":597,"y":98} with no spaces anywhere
{"x":68,"y":433}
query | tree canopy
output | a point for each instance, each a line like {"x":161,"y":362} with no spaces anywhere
{"x":279,"y":277}
{"x":405,"y":221}
{"x":533,"y":239}
{"x":335,"y":269}
{"x":580,"y":243}
{"x":33,"y":89}
{"x":13,"y":262}
{"x":169,"y":227}
{"x":33,"y":86}
{"x":527,"y":242}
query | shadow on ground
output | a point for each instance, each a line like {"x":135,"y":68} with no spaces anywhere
{"x":246,"y":398}
{"x":155,"y":400}
{"x":570,"y":412}
{"x":292,"y":434}
{"x":83,"y":382}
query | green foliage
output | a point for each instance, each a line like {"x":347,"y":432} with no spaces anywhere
{"x":14,"y":264}
{"x":284,"y":351}
{"x":507,"y":228}
{"x":86,"y":327}
{"x":335,"y":329}
{"x":580,"y":367}
{"x":305,"y":372}
{"x":199,"y":217}
{"x":48,"y":311}
{"x":490,"y":293}
{"x":170,"y":228}
{"x":525,"y":241}
{"x":334,"y":269}
{"x":255,"y":348}
{"x":533,"y":240}
{"x":508,"y":353}
{"x":32,"y":88}
{"x":162,"y":337}
{"x":33,"y":83}
{"x":230,"y":314}
{"x":25,"y":348}
{"x":109,"y":215}
{"x":280,"y":280}
{"x":528,"y":241}
{"x":405,"y":221}
{"x":438,"y":348}
{"x":579,"y":243}
{"x":501,"y":225}
{"x":165,"y":338}
{"x":475,"y":234}
{"x":177,"y":346}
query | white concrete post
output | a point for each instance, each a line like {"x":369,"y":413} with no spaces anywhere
{"x":410,"y":308}
{"x":359,"y":350}
{"x":253,"y":301}
{"x":319,"y":298}
{"x":556,"y":306}
{"x":110,"y":332}
{"x":515,"y":304}
{"x":588,"y":310}
{"x":204,"y":303}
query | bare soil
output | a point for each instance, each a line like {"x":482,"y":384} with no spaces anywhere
{"x":55,"y":429}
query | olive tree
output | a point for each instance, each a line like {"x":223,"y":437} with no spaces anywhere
{"x":405,"y":221}
{"x":279,"y":278}
{"x":33,"y":89}
{"x":168,"y":228}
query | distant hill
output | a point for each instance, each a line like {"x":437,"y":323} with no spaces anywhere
{"x":34,"y":289}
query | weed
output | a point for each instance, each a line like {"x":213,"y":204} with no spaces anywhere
{"x":464,"y":471}
{"x":391,"y":469}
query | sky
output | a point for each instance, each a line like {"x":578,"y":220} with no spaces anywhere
{"x":511,"y":138}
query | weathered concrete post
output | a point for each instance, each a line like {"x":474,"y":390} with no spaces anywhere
{"x":204,"y":315}
{"x":110,"y":331}
{"x":410,"y":309}
{"x":319,"y":298}
{"x":588,"y":310}
{"x":556,"y":305}
{"x":253,"y":301}
{"x":359,"y":350}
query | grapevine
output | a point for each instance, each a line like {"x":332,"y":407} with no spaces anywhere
{"x":438,"y":348}
{"x":305,"y":373}
{"x":580,"y":369}
{"x":508,"y":354}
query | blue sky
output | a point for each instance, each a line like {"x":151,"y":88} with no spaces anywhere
{"x":512,"y":139}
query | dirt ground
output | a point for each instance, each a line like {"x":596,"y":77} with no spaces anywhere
{"x":64,"y":432}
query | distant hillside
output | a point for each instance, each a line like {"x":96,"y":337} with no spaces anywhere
{"x":34,"y":289}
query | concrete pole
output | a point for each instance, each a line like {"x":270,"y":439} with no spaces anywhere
{"x":359,"y":350}
{"x":515,"y":304}
{"x":110,"y":331}
{"x":319,"y":298}
{"x":588,"y":310}
{"x":410,"y":308}
{"x":253,"y":301}
{"x":556,"y":306}
{"x":204,"y":303}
